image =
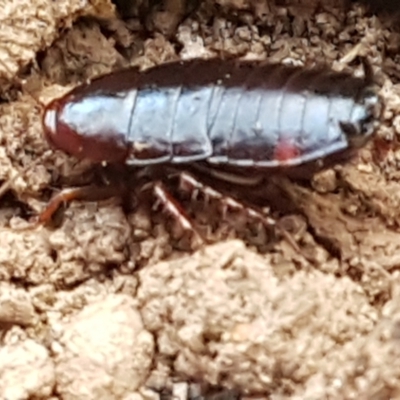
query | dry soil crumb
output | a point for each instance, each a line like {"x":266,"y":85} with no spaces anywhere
{"x":26,"y":370}
{"x":16,"y":307}
{"x":223,"y":315}
{"x":31,"y":26}
{"x":103,"y":352}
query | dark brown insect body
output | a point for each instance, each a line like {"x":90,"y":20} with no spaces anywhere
{"x":241,"y":114}
{"x":229,"y":118}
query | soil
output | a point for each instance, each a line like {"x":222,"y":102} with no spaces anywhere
{"x":111,"y":304}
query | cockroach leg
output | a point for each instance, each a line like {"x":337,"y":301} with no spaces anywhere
{"x":234,"y":178}
{"x":289,"y":238}
{"x":189,"y":182}
{"x":176,"y":211}
{"x":89,"y":193}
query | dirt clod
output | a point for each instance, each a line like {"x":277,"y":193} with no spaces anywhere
{"x":104,"y":351}
{"x":26,"y":370}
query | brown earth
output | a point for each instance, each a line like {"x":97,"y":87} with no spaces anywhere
{"x":107,"y":305}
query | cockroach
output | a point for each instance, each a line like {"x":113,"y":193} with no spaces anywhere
{"x":239,"y":120}
{"x":243,"y":114}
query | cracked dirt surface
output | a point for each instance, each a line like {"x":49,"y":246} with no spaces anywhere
{"x":106,"y":304}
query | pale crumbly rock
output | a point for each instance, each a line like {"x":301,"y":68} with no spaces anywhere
{"x":374,"y":371}
{"x":90,"y":239}
{"x":27,"y":28}
{"x":83,"y":40}
{"x":156,"y":50}
{"x":26,"y":370}
{"x":25,"y":255}
{"x":104,"y":351}
{"x":24,"y":150}
{"x":15,"y":307}
{"x":222,"y":314}
{"x":31,"y":26}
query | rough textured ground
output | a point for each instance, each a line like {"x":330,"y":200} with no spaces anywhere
{"x":106,"y":306}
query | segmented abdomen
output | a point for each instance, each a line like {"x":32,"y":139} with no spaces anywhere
{"x":245,"y":113}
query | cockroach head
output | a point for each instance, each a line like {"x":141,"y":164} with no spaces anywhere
{"x":67,"y":128}
{"x":58,"y":135}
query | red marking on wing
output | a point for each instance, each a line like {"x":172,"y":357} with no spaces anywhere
{"x":285,"y":150}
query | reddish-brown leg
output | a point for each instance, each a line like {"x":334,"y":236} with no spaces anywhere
{"x":96,"y":193}
{"x":169,"y":203}
{"x":189,"y":183}
{"x":89,"y":193}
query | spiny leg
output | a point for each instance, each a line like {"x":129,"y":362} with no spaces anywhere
{"x":189,"y":182}
{"x":118,"y":188}
{"x":176,"y":211}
